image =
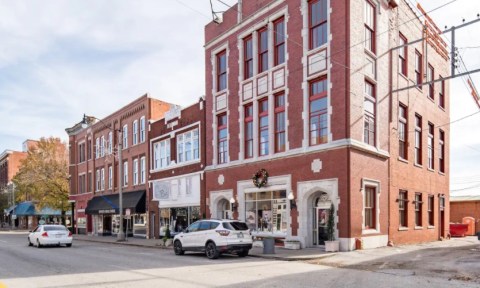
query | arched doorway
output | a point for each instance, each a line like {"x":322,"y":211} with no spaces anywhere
{"x":224,"y":209}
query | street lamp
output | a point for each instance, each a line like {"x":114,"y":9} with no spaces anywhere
{"x":121,"y":234}
{"x":14,"y":216}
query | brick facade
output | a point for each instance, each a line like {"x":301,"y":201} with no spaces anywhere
{"x":350,"y":167}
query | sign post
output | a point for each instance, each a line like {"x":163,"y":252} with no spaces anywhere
{"x":127,"y":215}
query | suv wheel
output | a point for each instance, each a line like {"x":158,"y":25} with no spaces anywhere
{"x":211,"y":251}
{"x":177,"y":247}
{"x":243,"y":253}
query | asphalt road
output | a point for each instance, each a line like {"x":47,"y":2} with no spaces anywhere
{"x":88,"y":264}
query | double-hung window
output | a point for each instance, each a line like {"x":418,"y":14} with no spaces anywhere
{"x":161,"y":154}
{"x":222,"y":71}
{"x":441,"y":94}
{"x":370,"y":208}
{"x":248,"y":119}
{"x":369,"y":114}
{"x":248,"y":57}
{"x":263,"y":126}
{"x":188,"y":146}
{"x":402,"y":131}
{"x":430,"y":78}
{"x":97,"y":180}
{"x":97,"y":148}
{"x":318,"y":112}
{"x":403,"y":208}
{"x":262,"y":50}
{"x":441,"y":151}
{"x":125,"y":173}
{"x":110,"y":177}
{"x":418,"y":140}
{"x":431,"y":213}
{"x":430,"y":146}
{"x":125,"y":137}
{"x":142,"y":170}
{"x":280,"y":123}
{"x":102,"y":146}
{"x":418,"y":209}
{"x":102,"y":179}
{"x":222,"y":143}
{"x":135,"y":132}
{"x":369,"y":17}
{"x":402,"y":56}
{"x":135,"y":172}
{"x":418,"y":69}
{"x":110,"y":142}
{"x":279,"y":41}
{"x":317,"y":23}
{"x":142,"y":129}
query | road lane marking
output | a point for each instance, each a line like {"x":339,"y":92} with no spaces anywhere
{"x":2,"y":242}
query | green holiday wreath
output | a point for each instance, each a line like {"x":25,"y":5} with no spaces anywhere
{"x":260,"y":178}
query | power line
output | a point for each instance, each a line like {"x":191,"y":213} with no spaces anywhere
{"x":193,"y":9}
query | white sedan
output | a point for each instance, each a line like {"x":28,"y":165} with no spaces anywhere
{"x":45,"y":235}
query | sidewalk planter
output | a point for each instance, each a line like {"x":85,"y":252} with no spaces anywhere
{"x":332,"y":246}
{"x":168,"y":242}
{"x":292,"y":245}
{"x":268,"y":245}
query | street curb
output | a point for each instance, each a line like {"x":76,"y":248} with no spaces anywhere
{"x":126,"y":243}
{"x":291,"y":259}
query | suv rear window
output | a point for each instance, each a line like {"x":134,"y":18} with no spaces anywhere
{"x":235,"y":226}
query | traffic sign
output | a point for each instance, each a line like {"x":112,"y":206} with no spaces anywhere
{"x":127,"y":212}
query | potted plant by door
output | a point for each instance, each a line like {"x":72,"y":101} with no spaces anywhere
{"x":331,"y":245}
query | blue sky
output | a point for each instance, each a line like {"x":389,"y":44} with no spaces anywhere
{"x":60,"y":59}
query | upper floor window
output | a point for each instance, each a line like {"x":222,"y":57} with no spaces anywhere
{"x":102,"y":178}
{"x":317,"y":22}
{"x":110,"y":143}
{"x":263,"y":126}
{"x":221,"y":70}
{"x":98,"y":180}
{"x":222,"y":132}
{"x":369,"y":25}
{"x":248,"y":118}
{"x":279,"y":41}
{"x":318,"y":111}
{"x":135,"y":132}
{"x":430,"y":146}
{"x":418,"y":69}
{"x":97,"y":148}
{"x":81,"y":153}
{"x":188,"y":146}
{"x":161,"y":154}
{"x":89,"y":149}
{"x":125,"y":136}
{"x":248,"y":57}
{"x":418,"y":140}
{"x":142,"y":170}
{"x":142,"y":129}
{"x":262,"y":50}
{"x":441,"y":94}
{"x":110,"y":177}
{"x":102,"y":146}
{"x":441,"y":152}
{"x":369,"y":114}
{"x":431,"y":218}
{"x":280,"y":123}
{"x":402,"y":131}
{"x":402,"y":56}
{"x":135,"y":172}
{"x":125,"y":173}
{"x":431,"y":85}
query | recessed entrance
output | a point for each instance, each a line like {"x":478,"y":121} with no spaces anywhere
{"x":223,"y":209}
{"x":320,"y":207}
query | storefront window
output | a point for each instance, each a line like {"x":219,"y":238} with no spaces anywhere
{"x":266,"y":211}
{"x":178,"y":219}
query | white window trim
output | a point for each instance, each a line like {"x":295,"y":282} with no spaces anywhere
{"x":135,"y":171}
{"x":193,"y":160}
{"x":102,"y":146}
{"x":102,"y":179}
{"x":142,"y":129}
{"x":125,"y":137}
{"x":110,"y":142}
{"x":97,"y":148}
{"x":110,"y":177}
{"x":125,"y":174}
{"x":135,"y":132}
{"x":97,"y":180}
{"x":142,"y":170}
{"x":157,"y":151}
{"x":375,"y":184}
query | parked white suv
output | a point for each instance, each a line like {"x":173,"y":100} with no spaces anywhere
{"x":214,"y":237}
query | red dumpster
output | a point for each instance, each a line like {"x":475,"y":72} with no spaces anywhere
{"x":458,"y":230}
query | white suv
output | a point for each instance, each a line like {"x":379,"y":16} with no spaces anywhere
{"x":214,"y":237}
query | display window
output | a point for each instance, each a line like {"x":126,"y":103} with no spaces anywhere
{"x":178,"y":218}
{"x":266,"y":212}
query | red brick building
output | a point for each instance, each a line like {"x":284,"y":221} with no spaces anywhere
{"x":94,"y":174}
{"x":463,"y":207}
{"x":177,"y":160}
{"x":304,"y":90}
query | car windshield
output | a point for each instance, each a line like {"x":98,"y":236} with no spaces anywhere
{"x":235,"y":226}
{"x":54,"y":228}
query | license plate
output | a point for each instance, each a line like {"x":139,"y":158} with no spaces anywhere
{"x":58,"y":235}
{"x":240,"y":235}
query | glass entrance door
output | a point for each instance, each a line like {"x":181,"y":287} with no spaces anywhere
{"x":320,"y":220}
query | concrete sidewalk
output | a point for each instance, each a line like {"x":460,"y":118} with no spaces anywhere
{"x":280,"y":252}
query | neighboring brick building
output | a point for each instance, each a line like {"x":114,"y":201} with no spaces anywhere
{"x":303,"y":89}
{"x":10,"y":162}
{"x":94,"y":179}
{"x":465,"y":206}
{"x":177,"y":160}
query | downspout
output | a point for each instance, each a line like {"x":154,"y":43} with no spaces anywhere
{"x":347,"y":123}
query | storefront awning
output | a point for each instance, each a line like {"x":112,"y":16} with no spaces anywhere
{"x":108,"y":204}
{"x":25,"y":209}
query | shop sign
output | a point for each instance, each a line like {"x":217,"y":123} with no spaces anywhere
{"x":106,"y":211}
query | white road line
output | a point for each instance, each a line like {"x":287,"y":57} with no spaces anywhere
{"x":3,"y":241}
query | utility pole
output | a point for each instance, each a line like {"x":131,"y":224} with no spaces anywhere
{"x":14,"y":216}
{"x":121,"y":234}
